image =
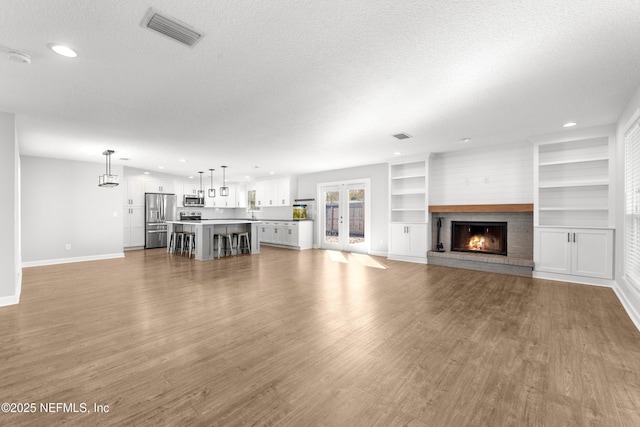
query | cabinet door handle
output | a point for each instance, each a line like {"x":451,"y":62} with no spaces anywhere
{"x":574,"y":237}
{"x":569,"y":237}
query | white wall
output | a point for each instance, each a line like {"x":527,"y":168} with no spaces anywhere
{"x":379,"y":176}
{"x":62,"y":204}
{"x":628,"y":294}
{"x":10,"y":271}
{"x":496,"y":175}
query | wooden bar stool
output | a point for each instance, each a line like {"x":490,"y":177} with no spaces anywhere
{"x":242,"y":242}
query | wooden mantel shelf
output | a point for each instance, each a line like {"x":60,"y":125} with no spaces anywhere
{"x":521,"y":207}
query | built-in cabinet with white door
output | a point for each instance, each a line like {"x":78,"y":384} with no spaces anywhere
{"x":408,"y":242}
{"x":159,"y":186}
{"x":274,"y":192}
{"x":133,"y":212}
{"x":133,"y":225}
{"x":408,"y":204}
{"x":573,"y":205}
{"x":585,"y":252}
{"x":293,"y":234}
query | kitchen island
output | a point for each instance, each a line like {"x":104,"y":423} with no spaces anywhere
{"x":206,"y":228}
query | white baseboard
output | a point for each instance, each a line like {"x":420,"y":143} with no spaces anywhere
{"x":628,"y":306}
{"x":70,"y":260}
{"x":10,"y":300}
{"x":607,"y":283}
{"x":376,"y":253}
{"x":418,"y":260}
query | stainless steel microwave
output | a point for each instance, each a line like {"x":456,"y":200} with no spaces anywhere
{"x":190,"y":200}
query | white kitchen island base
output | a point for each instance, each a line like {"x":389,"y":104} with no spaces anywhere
{"x":206,"y":228}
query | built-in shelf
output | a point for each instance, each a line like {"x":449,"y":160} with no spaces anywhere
{"x":573,"y":176}
{"x":408,"y":190}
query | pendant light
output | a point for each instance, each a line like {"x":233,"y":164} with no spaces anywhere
{"x":108,"y":180}
{"x":201,"y":191}
{"x":212,"y":191}
{"x":224,"y":190}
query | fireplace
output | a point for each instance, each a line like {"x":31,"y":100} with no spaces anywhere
{"x":479,"y":237}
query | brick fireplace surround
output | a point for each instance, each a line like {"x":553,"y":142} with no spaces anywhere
{"x":519,"y":219}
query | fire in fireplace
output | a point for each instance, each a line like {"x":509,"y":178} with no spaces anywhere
{"x":484,"y":237}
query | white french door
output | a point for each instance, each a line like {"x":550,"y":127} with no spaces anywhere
{"x":344,"y":216}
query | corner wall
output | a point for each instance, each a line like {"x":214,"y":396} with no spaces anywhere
{"x":63,"y":205}
{"x":10,"y":270}
{"x":628,"y":294}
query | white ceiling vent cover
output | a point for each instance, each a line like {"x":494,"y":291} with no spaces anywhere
{"x":171,"y":27}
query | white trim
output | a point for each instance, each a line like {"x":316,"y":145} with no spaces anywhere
{"x":10,"y":300}
{"x":405,"y":258}
{"x":378,"y":253}
{"x":593,"y":281}
{"x":626,"y":304}
{"x":70,"y":260}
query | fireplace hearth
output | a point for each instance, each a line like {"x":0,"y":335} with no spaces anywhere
{"x":479,"y":237}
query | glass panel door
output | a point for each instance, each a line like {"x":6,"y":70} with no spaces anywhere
{"x":332,"y":217}
{"x":344,"y":219}
{"x":356,"y":194}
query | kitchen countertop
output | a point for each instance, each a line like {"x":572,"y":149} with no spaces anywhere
{"x":213,"y":221}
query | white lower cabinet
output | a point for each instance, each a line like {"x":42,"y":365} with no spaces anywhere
{"x":408,"y":242}
{"x":581,"y":252}
{"x":133,"y":221}
{"x":294,"y":234}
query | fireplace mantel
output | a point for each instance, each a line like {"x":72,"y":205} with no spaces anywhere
{"x":520,"y":207}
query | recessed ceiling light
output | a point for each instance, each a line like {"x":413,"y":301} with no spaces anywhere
{"x":147,"y":173}
{"x":569,"y":124}
{"x":397,"y":153}
{"x":465,"y":139}
{"x":183,"y":160}
{"x":190,"y":176}
{"x":160,"y":167}
{"x":63,"y":50}
{"x":272,"y":173}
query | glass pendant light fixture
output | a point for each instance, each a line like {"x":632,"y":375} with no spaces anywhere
{"x":201,"y":191}
{"x":212,"y":191}
{"x":108,"y":180}
{"x":224,"y":190}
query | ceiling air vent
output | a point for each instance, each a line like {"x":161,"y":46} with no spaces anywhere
{"x":171,"y":27}
{"x":402,"y":136}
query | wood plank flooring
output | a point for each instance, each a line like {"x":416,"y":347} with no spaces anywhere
{"x":314,"y":338}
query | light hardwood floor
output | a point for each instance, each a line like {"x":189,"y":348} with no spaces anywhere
{"x":306,"y":338}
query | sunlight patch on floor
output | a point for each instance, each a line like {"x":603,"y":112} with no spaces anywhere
{"x":363,"y":259}
{"x":367,"y":261}
{"x":337,"y":256}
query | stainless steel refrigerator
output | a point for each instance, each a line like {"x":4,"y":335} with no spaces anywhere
{"x":159,"y":208}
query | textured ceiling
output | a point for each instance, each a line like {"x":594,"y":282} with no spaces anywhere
{"x":303,"y":86}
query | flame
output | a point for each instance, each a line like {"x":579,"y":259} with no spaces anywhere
{"x":477,"y":243}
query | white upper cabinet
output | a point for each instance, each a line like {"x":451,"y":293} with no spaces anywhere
{"x":275,"y":192}
{"x":158,"y":186}
{"x":134,"y":192}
